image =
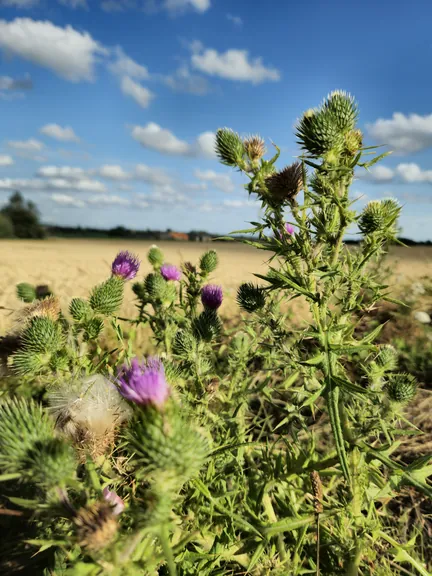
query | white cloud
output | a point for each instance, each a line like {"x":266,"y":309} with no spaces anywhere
{"x":6,"y":160}
{"x":69,"y":53}
{"x":41,"y":185}
{"x":151,"y":175}
{"x":220,"y":181}
{"x":113,"y":172}
{"x":178,"y":6}
{"x":139,"y":93}
{"x":64,"y":134}
{"x":74,"y":3}
{"x":233,"y":65}
{"x":184,"y":81}
{"x":123,"y":65}
{"x":8,"y":83}
{"x":20,"y":3}
{"x":157,"y":138}
{"x":411,"y":172}
{"x":66,"y":200}
{"x":108,"y":199}
{"x":30,"y":145}
{"x":124,"y":186}
{"x":236,"y":20}
{"x":379,"y":174}
{"x":404,"y":134}
{"x":66,"y":172}
{"x":205,"y":144}
{"x":240,"y":203}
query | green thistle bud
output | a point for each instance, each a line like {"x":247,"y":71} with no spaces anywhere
{"x":169,"y":294}
{"x":372,"y":218}
{"x":318,"y":132}
{"x":207,"y":326}
{"x":166,"y":445}
{"x":138,"y":289}
{"x":229,"y":147}
{"x":155,"y":286}
{"x":209,"y":261}
{"x":391,"y":210}
{"x":387,"y":357}
{"x":250,"y":297}
{"x":93,"y":328}
{"x":59,"y":362}
{"x":28,"y":445}
{"x":79,"y":309}
{"x":184,"y":344}
{"x":42,"y":335}
{"x":26,"y":362}
{"x":353,"y":141}
{"x":107,"y":298}
{"x":343,"y":108}
{"x":26,"y":292}
{"x":286,"y":184}
{"x":155,"y":257}
{"x":401,"y":388}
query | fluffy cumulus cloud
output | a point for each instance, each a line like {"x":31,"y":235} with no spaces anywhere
{"x":30,"y":145}
{"x":108,"y":200}
{"x":403,"y":134}
{"x":69,"y":53}
{"x":67,"y":200}
{"x":140,"y":94}
{"x":112,"y":172}
{"x":232,"y":65}
{"x":6,"y":160}
{"x":222,"y":182}
{"x":63,"y":134}
{"x":66,"y":172}
{"x":123,"y":65}
{"x":183,"y":80}
{"x":175,"y":6}
{"x":52,"y":184}
{"x":408,"y":172}
{"x":155,"y":137}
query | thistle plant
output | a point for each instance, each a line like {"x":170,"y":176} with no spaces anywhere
{"x":266,"y":447}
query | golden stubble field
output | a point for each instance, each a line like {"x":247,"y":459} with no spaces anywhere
{"x":72,"y":267}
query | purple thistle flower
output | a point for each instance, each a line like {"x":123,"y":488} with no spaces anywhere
{"x":114,"y":499}
{"x":289,"y":228}
{"x":144,"y":383}
{"x":125,"y":265}
{"x":211,"y":296}
{"x":170,"y":272}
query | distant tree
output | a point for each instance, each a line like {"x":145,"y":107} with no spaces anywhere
{"x":24,"y":217}
{"x":6,"y":227}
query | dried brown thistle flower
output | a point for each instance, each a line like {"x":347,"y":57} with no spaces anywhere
{"x":96,"y":526}
{"x":286,"y":184}
{"x":48,"y":308}
{"x":255,"y":147}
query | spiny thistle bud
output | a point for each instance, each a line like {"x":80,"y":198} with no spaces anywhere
{"x":93,"y":328}
{"x":401,"y":388}
{"x":28,"y":445}
{"x":42,"y":335}
{"x":184,"y":343}
{"x":96,"y":526}
{"x":255,"y":148}
{"x":343,"y":108}
{"x":155,"y":257}
{"x":353,"y":141}
{"x":107,"y":298}
{"x":229,"y":147}
{"x":372,"y":218}
{"x":170,"y":272}
{"x":285,"y":185}
{"x":318,"y":132}
{"x":139,"y":290}
{"x":144,"y":383}
{"x":155,"y":285}
{"x":59,"y":362}
{"x":125,"y":265}
{"x":164,"y":443}
{"x":207,"y":326}
{"x":211,"y":296}
{"x":387,"y":357}
{"x":26,"y":292}
{"x":27,"y":362}
{"x":209,"y":261}
{"x":391,"y":210}
{"x":250,"y":297}
{"x":79,"y":309}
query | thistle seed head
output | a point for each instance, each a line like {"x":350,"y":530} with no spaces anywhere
{"x":255,"y":148}
{"x":96,"y":526}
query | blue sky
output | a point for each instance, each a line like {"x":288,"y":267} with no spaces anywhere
{"x":108,"y":107}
